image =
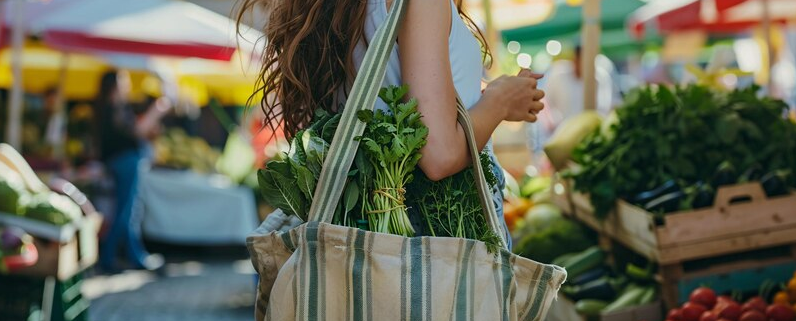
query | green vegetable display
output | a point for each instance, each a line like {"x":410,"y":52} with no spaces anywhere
{"x":12,"y":194}
{"x":392,"y":142}
{"x":690,"y":134}
{"x":52,"y":208}
{"x":561,"y":237}
{"x":451,"y":208}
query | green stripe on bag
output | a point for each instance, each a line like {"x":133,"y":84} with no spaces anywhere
{"x":463,"y":283}
{"x":357,"y":275}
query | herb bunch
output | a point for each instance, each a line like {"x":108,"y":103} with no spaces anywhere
{"x":451,"y":207}
{"x":391,"y":143}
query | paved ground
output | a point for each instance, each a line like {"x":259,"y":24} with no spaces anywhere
{"x":196,"y":287}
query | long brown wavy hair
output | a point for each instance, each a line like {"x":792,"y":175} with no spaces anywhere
{"x":308,"y":59}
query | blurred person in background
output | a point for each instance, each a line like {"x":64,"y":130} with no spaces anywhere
{"x":121,"y":137}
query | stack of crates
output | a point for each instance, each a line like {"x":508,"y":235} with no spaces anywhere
{"x":30,"y":299}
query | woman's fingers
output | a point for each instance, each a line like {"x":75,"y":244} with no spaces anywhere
{"x":524,"y":72}
{"x":538,"y":94}
{"x":531,"y":118}
{"x":536,"y":107}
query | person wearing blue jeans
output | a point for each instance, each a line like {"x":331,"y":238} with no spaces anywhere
{"x":124,"y":168}
{"x":120,"y":135}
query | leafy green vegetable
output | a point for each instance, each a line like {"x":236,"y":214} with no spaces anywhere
{"x":682,"y":134}
{"x":288,"y":182}
{"x":451,"y":207}
{"x":392,"y":142}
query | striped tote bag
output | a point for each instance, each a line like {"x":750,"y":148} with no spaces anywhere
{"x":320,"y":271}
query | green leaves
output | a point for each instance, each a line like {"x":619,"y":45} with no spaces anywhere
{"x":392,"y":141}
{"x":279,"y":189}
{"x":682,"y":133}
{"x":451,"y":207}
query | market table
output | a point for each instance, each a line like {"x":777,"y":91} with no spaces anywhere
{"x":185,"y":207}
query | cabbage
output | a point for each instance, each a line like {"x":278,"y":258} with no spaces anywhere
{"x":541,"y":216}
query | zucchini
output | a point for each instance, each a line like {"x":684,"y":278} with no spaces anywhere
{"x":590,"y":307}
{"x":669,"y":186}
{"x":648,"y":297}
{"x":590,"y":275}
{"x":601,"y":289}
{"x":561,"y":260}
{"x":666,"y":203}
{"x":629,"y":298}
{"x":584,"y":261}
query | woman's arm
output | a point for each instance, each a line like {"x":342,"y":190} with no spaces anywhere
{"x":425,"y":67}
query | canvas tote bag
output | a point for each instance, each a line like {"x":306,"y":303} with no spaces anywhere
{"x":319,"y":271}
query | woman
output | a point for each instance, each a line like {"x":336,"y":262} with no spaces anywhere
{"x":316,"y":46}
{"x":121,"y":138}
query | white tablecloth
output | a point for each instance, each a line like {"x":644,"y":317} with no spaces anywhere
{"x":189,"y":208}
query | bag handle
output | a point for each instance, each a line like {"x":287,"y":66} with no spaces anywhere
{"x":364,"y":92}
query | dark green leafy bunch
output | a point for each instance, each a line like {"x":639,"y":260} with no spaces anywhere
{"x":391,"y":142}
{"x":288,"y":182}
{"x":683,"y":134}
{"x":451,"y":207}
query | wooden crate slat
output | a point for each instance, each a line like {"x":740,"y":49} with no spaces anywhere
{"x":731,"y":245}
{"x":725,"y":220}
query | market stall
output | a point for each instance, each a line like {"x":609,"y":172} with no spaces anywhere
{"x":196,"y":194}
{"x":49,"y":238}
{"x":688,"y":190}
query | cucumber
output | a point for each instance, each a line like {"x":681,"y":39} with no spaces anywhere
{"x":590,"y":307}
{"x":601,"y":289}
{"x":629,"y":298}
{"x":584,"y":261}
{"x":648,"y":297}
{"x":590,"y":275}
{"x":562,"y":260}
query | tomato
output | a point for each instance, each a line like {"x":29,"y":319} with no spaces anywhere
{"x":753,"y":315}
{"x":704,"y":296}
{"x":675,"y":315}
{"x":692,"y":311}
{"x":780,"y":312}
{"x":729,"y":310}
{"x":708,"y":316}
{"x":755,"y":303}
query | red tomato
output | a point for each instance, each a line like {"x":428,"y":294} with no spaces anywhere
{"x":692,"y":311}
{"x":675,"y":315}
{"x":708,"y":316}
{"x":753,"y":315}
{"x":755,"y":303}
{"x":704,"y":296}
{"x":729,"y":310}
{"x":780,"y":312}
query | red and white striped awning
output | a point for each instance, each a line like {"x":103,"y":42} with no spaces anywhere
{"x":714,"y":16}
{"x":151,"y":27}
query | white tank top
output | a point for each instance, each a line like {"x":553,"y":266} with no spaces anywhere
{"x":465,"y":54}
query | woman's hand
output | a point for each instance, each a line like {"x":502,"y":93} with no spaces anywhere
{"x":516,"y":97}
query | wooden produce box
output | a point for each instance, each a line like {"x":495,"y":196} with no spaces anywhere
{"x":563,"y":309}
{"x":727,"y":227}
{"x":72,"y":251}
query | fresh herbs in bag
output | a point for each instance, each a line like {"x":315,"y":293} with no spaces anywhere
{"x":391,"y":142}
{"x":451,"y":207}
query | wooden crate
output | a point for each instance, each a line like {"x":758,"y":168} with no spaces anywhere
{"x":725,"y":228}
{"x":65,"y":259}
